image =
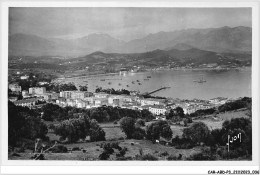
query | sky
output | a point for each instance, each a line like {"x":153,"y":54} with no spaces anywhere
{"x":121,"y":23}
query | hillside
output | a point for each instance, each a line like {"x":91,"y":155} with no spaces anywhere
{"x":161,"y":57}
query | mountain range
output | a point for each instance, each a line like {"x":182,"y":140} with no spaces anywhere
{"x":220,"y":40}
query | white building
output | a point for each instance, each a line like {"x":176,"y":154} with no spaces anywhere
{"x":113,"y":100}
{"x":157,"y":110}
{"x":65,"y":94}
{"x":75,"y":94}
{"x":27,"y":102}
{"x":25,"y":77}
{"x":218,"y":101}
{"x":101,"y":95}
{"x":151,"y":101}
{"x":37,"y":90}
{"x":15,"y":88}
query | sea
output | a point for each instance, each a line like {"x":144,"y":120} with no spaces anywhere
{"x":182,"y":84}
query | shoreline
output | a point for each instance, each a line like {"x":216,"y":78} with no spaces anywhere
{"x":154,"y":70}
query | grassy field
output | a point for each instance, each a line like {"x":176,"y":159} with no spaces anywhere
{"x":214,"y":123}
{"x":93,"y":150}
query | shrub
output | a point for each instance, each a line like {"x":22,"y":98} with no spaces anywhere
{"x":121,"y":153}
{"x":114,"y":145}
{"x":201,"y":156}
{"x":108,"y":149}
{"x":121,"y":138}
{"x":59,"y":149}
{"x":182,"y":143}
{"x":172,"y":157}
{"x":138,"y":134}
{"x":75,"y":149}
{"x":185,"y":122}
{"x":104,"y":156}
{"x":165,"y":153}
{"x":202,"y":112}
{"x":146,"y":157}
{"x":38,"y":157}
{"x":124,"y":158}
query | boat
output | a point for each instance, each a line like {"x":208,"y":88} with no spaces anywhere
{"x":109,"y":83}
{"x":127,"y":85}
{"x":139,"y":83}
{"x":149,"y":76}
{"x":119,"y":84}
{"x":133,"y":82}
{"x":103,"y":80}
{"x":201,"y":80}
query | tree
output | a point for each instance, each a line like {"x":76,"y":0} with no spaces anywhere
{"x":83,"y":88}
{"x":72,"y":130}
{"x":78,"y":128}
{"x":24,"y":123}
{"x":53,"y":112}
{"x":185,"y":122}
{"x":127,"y":125}
{"x":197,"y":132}
{"x":158,"y":129}
{"x":175,"y":114}
{"x":96,"y":132}
{"x":179,"y":111}
{"x":138,"y":134}
{"x":140,"y":123}
{"x":237,"y":126}
{"x":147,"y":115}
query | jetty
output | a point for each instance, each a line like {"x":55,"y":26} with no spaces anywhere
{"x":156,"y":90}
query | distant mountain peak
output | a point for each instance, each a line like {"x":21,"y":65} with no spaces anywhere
{"x":97,"y":53}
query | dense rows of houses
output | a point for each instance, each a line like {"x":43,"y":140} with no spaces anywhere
{"x":84,"y":99}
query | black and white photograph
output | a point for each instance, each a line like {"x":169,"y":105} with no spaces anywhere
{"x":112,"y":84}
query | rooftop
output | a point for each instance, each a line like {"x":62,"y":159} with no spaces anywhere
{"x":30,"y":100}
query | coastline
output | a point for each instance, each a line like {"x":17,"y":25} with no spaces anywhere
{"x":152,"y":70}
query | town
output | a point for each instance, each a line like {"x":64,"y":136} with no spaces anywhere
{"x":35,"y":97}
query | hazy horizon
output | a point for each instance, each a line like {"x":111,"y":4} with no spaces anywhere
{"x":121,"y":23}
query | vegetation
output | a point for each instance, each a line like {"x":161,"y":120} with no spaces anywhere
{"x":113,"y":91}
{"x":238,"y":104}
{"x":176,"y":114}
{"x":24,"y":123}
{"x":127,"y":124}
{"x":182,"y":143}
{"x":202,"y":112}
{"x":82,"y":124}
{"x":83,"y":88}
{"x":158,"y":129}
{"x":60,"y":87}
{"x":74,"y":129}
{"x":52,"y":112}
{"x":197,"y":132}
